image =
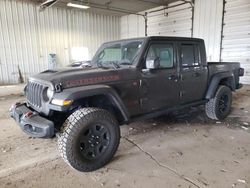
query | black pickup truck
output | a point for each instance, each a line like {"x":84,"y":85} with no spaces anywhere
{"x":127,"y":80}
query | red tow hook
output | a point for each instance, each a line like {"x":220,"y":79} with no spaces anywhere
{"x":28,"y":114}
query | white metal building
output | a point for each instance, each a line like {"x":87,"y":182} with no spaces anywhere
{"x":223,"y":24}
{"x":28,"y":35}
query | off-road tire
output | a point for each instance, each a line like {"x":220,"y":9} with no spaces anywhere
{"x":213,"y":105}
{"x":72,"y":131}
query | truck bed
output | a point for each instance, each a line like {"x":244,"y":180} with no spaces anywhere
{"x":216,"y":67}
{"x":220,"y":67}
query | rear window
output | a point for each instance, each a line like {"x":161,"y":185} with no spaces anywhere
{"x":190,"y":55}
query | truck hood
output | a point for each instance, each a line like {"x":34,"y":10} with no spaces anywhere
{"x":73,"y":77}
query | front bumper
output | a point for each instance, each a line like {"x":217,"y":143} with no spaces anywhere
{"x":31,"y":122}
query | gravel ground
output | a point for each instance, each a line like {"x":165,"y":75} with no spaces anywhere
{"x":183,"y":149}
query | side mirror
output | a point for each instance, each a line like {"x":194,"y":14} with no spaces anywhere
{"x":153,"y":64}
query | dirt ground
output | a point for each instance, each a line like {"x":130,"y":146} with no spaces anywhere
{"x":182,"y":149}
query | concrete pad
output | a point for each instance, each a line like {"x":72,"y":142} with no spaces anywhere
{"x":183,"y":149}
{"x":11,"y":90}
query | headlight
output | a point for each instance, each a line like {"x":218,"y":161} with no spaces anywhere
{"x":50,"y":93}
{"x":47,"y":94}
{"x":61,"y":102}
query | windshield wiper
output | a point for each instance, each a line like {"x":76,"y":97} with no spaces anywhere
{"x":115,"y":64}
{"x":125,"y":63}
{"x":100,"y":65}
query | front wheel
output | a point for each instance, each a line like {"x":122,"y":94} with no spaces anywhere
{"x":219,"y":107}
{"x":89,"y":139}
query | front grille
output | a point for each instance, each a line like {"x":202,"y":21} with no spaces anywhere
{"x":34,"y":94}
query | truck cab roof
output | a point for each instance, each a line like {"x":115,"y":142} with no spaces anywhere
{"x":149,"y":38}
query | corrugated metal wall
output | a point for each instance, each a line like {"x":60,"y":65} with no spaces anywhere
{"x":208,"y":24}
{"x":27,"y":36}
{"x":176,"y":21}
{"x":236,"y":34}
{"x":132,"y":26}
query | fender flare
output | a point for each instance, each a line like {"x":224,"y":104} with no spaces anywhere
{"x":213,"y":85}
{"x":82,"y":92}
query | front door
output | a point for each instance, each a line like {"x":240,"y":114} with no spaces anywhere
{"x":159,"y":87}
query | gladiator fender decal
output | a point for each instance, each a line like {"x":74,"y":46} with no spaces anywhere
{"x":213,"y":85}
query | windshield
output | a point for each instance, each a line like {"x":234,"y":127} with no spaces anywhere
{"x":117,"y":53}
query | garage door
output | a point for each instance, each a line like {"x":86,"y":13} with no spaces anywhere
{"x":236,"y":34}
{"x":175,"y":21}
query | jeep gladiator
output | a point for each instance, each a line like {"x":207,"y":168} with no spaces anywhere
{"x":127,"y":80}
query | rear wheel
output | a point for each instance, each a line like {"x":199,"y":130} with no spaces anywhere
{"x":89,"y":139}
{"x":219,"y":107}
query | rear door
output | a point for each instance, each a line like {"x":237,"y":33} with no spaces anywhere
{"x":160,"y":87}
{"x":193,"y":73}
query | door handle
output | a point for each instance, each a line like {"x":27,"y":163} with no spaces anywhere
{"x":173,"y":77}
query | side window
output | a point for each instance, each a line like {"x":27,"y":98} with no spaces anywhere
{"x":190,"y":55}
{"x":162,"y":52}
